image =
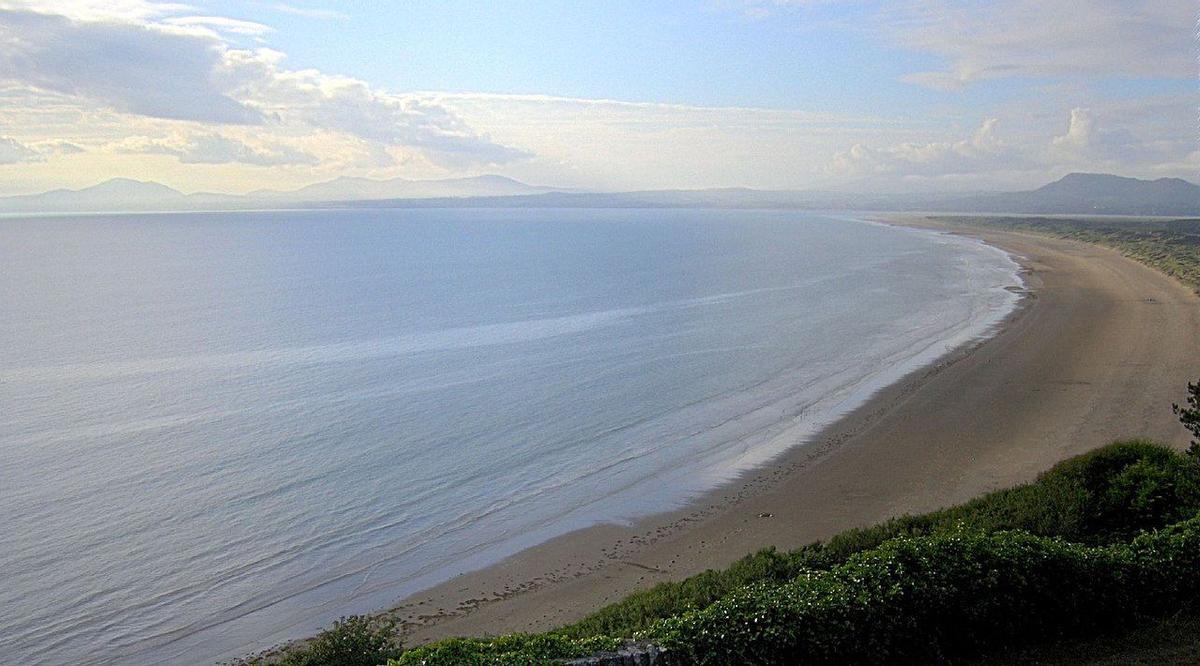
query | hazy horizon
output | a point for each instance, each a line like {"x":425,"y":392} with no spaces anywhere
{"x":931,"y":95}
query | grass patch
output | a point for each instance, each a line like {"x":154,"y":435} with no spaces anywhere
{"x":511,"y":650}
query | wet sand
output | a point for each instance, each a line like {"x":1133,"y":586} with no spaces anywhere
{"x":1097,"y":351}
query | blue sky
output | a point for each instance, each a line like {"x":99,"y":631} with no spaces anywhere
{"x":819,"y":57}
{"x":913,"y":94}
{"x":665,"y":52}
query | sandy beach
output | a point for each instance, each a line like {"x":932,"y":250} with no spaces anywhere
{"x":1097,"y":351}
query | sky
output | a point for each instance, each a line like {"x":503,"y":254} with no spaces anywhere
{"x":906,"y":95}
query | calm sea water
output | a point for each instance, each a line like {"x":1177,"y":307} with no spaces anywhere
{"x":218,"y":431}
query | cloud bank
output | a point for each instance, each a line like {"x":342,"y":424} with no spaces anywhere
{"x":983,"y":151}
{"x":1035,"y":38}
{"x":141,"y":59}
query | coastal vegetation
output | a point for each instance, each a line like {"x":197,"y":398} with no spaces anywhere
{"x":351,"y":641}
{"x":1189,"y":416}
{"x":948,"y":596}
{"x":1171,"y":246}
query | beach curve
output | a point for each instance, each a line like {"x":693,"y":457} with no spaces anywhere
{"x":1097,"y":350}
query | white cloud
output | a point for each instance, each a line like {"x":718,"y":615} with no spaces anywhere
{"x":98,"y":10}
{"x":58,"y":148}
{"x":1090,"y":139}
{"x":221,"y":24}
{"x":1036,"y":38}
{"x":349,"y":105}
{"x":133,"y":68}
{"x":983,"y":151}
{"x":14,"y":152}
{"x":217,"y":149}
{"x":1081,"y":132}
{"x":178,"y":68}
{"x":309,"y":12}
{"x":1118,"y":139}
{"x":757,"y":10}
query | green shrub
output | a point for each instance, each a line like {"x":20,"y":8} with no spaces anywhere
{"x":930,"y":599}
{"x":640,"y":609}
{"x":1189,"y":417}
{"x":351,"y":641}
{"x":1146,"y":494}
{"x":511,"y":650}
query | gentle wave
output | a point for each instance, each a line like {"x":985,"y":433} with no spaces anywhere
{"x":448,"y":339}
{"x":454,"y":338}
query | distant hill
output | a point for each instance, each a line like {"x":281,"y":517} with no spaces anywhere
{"x":117,"y":194}
{"x":1093,"y":193}
{"x":351,"y":189}
{"x":1076,"y":193}
{"x":123,"y":194}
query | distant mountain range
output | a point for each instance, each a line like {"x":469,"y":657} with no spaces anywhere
{"x":123,"y":194}
{"x":1076,"y":193}
{"x":349,"y":189}
{"x":115,"y":194}
{"x":1096,"y":193}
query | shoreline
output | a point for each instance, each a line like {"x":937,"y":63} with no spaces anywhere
{"x":844,"y":477}
{"x":991,"y":413}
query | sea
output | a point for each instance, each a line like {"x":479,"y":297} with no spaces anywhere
{"x":219,"y":431}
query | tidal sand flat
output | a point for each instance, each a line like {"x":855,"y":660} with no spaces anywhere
{"x":225,"y":430}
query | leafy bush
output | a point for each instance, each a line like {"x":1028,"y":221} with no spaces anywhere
{"x":351,"y":641}
{"x":1189,"y":416}
{"x":514,"y":649}
{"x":640,"y":609}
{"x":929,"y":599}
